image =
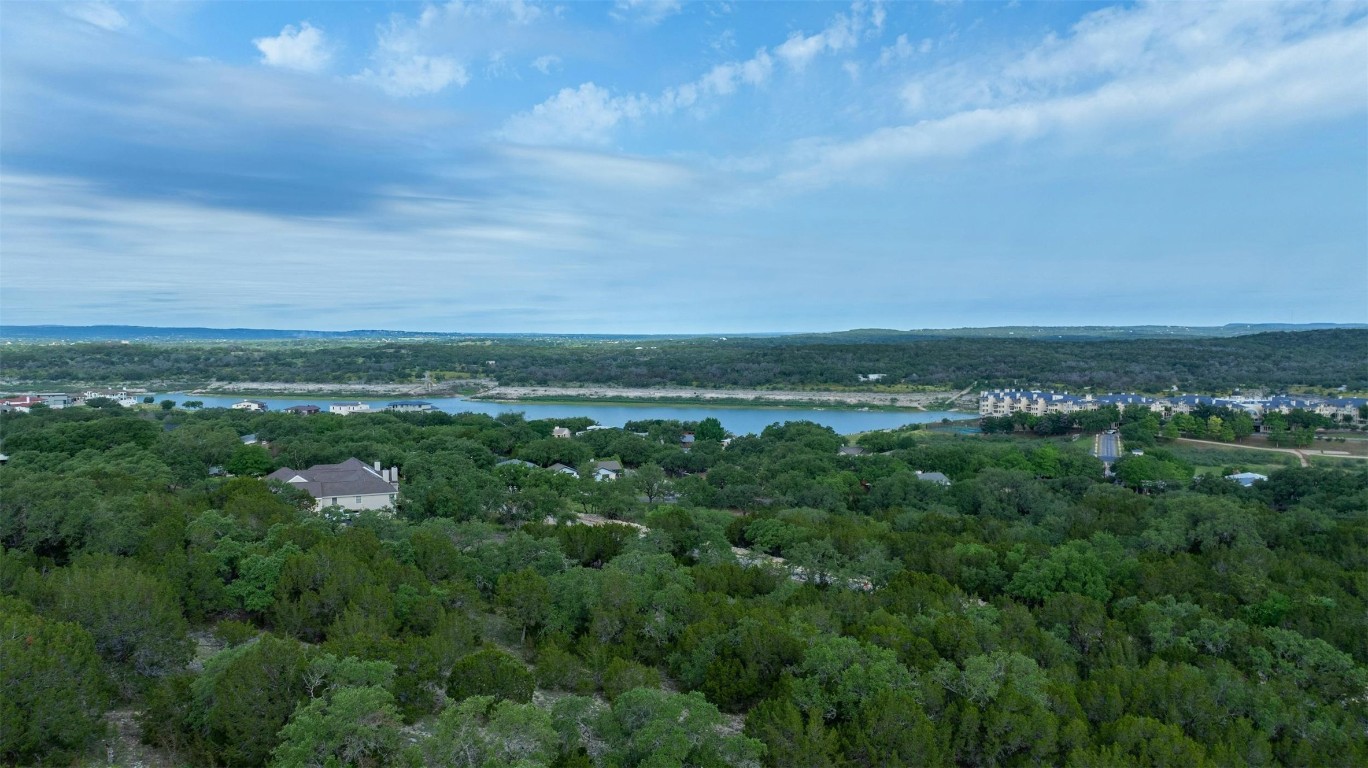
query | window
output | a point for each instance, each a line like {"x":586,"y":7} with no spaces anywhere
{"x":334,"y":502}
{"x":358,"y":499}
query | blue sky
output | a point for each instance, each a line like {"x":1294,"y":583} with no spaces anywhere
{"x":658,"y":166}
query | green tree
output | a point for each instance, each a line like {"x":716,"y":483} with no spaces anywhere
{"x":791,"y":739}
{"x":623,"y":675}
{"x":250,"y":461}
{"x":652,"y":728}
{"x":1071,"y":567}
{"x":1142,"y":741}
{"x":490,"y":672}
{"x":710,"y":429}
{"x":840,"y":673}
{"x":525,"y":598}
{"x":352,"y":726}
{"x":132,"y":616}
{"x":1150,"y":472}
{"x":52,"y":690}
{"x":245,"y":696}
{"x":893,"y":729}
{"x":483,"y":732}
{"x":651,"y":482}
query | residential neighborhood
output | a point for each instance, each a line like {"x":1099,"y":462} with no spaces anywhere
{"x":994,"y":403}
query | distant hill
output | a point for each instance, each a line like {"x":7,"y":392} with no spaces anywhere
{"x":140,"y":333}
{"x":1067,"y":332}
{"x":153,"y":334}
{"x":1274,"y":360}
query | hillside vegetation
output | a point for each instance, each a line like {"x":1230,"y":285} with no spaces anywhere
{"x":1030,"y":612}
{"x":1330,"y":358}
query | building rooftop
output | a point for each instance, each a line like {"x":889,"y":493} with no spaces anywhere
{"x":352,"y":477}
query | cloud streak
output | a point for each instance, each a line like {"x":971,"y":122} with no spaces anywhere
{"x":515,"y":167}
{"x":1124,"y":79}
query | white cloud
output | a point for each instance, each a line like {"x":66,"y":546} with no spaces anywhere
{"x":841,"y":34}
{"x":102,"y":15}
{"x":647,"y":12}
{"x":544,"y":64}
{"x":590,"y":114}
{"x":403,"y":65}
{"x":517,"y":11}
{"x":584,"y":115}
{"x":1125,"y":76}
{"x":301,"y":48}
{"x":418,"y":75}
{"x":877,"y":15}
{"x":426,"y":54}
{"x":900,"y":49}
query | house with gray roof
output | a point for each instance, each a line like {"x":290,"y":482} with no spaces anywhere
{"x":934,"y":477}
{"x":516,"y":463}
{"x":352,"y":485}
{"x":607,"y":470}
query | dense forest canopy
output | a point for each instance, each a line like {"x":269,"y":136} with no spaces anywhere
{"x":1327,"y":358}
{"x":1029,"y":612}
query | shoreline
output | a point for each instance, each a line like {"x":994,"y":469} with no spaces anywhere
{"x":485,"y":390}
{"x":715,"y":402}
{"x":896,"y":401}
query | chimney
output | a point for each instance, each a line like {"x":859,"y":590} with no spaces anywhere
{"x":377,"y":467}
{"x":394,"y":475}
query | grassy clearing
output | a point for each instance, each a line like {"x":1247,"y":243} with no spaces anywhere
{"x":1337,"y":462}
{"x":1221,"y":456}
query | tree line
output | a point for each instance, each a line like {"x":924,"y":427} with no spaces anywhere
{"x":1327,"y":358}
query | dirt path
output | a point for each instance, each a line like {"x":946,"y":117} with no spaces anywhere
{"x":963,"y":392}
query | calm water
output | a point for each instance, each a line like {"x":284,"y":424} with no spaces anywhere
{"x":737,"y":420}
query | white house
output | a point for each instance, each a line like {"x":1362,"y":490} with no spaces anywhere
{"x":250,"y":405}
{"x":347,"y":408}
{"x":409,"y":406}
{"x":352,"y":485}
{"x":122,"y":398}
{"x":562,"y":432}
{"x":1247,"y":478}
{"x":607,"y":470}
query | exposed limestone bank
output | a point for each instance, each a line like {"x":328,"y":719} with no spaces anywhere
{"x":920,"y":400}
{"x":375,"y":390}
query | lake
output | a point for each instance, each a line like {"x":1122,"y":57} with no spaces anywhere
{"x":738,"y":420}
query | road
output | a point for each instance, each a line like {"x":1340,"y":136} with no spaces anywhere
{"x":1107,"y":447}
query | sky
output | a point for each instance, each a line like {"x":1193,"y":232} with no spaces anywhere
{"x":659,"y":166}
